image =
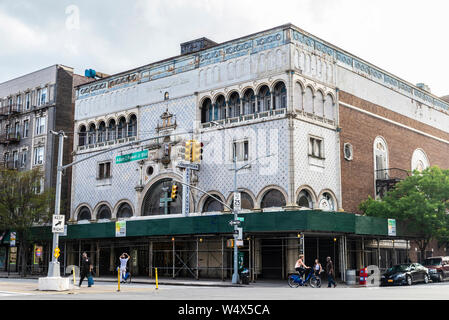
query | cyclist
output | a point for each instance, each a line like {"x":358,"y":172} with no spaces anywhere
{"x":300,"y":265}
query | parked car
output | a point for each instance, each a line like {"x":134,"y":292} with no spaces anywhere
{"x":438,"y":268}
{"x":407,"y":273}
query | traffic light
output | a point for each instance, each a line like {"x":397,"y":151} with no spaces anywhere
{"x":174,"y":191}
{"x":188,"y":150}
{"x":57,"y":252}
{"x":197,"y":153}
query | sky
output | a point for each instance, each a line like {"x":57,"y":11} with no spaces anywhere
{"x":404,"y":37}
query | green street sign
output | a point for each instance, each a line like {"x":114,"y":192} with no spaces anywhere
{"x":241,"y":219}
{"x":135,"y":156}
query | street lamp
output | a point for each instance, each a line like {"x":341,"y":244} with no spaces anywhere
{"x":235,"y":275}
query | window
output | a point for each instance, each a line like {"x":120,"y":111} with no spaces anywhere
{"x":40,"y":125}
{"x":84,"y":214}
{"x":38,"y":155}
{"x":26,"y":127}
{"x":212,"y":205}
{"x":327,"y":202}
{"x":38,"y":97}
{"x":17,"y":130}
{"x":15,"y":157}
{"x":316,"y":147}
{"x":240,"y":150}
{"x":27,"y":101}
{"x":280,"y":96}
{"x":124,"y":211}
{"x":19,"y":102}
{"x":43,"y":98}
{"x":23,"y":160}
{"x":381,"y":159}
{"x":305,"y":199}
{"x":348,"y":151}
{"x":104,"y":170}
{"x":273,"y":198}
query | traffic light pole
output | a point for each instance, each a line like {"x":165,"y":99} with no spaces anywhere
{"x":53,"y":268}
{"x":235,"y":275}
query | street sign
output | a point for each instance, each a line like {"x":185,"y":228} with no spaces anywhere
{"x":240,"y":219}
{"x":58,"y":224}
{"x":120,"y":228}
{"x":234,"y":222}
{"x":240,"y":233}
{"x":392,"y":227}
{"x":192,"y":166}
{"x":135,"y":156}
{"x":237,"y":201}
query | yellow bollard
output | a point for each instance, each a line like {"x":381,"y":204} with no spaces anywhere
{"x":156,"y":280}
{"x":118,"y":277}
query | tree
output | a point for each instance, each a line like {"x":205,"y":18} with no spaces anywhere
{"x":23,"y":204}
{"x":421,"y":201}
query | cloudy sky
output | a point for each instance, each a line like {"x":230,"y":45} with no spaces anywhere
{"x":404,"y":37}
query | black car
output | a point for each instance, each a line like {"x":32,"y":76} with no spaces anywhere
{"x":408,"y":274}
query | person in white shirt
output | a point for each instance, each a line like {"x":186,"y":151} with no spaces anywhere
{"x":300,"y":266}
{"x":123,"y":261}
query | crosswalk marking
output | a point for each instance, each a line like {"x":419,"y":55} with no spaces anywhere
{"x":12,"y":293}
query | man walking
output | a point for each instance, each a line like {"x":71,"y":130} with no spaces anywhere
{"x":85,"y":269}
{"x":330,"y":272}
{"x":123,"y":261}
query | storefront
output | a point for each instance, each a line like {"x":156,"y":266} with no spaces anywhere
{"x":198,"y":247}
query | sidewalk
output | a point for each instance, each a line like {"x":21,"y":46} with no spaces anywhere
{"x":186,"y":282}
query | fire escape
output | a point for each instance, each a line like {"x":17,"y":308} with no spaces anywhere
{"x":9,"y":135}
{"x":386,"y":179}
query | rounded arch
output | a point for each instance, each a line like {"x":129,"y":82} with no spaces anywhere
{"x":264,"y":191}
{"x":327,"y":200}
{"x":260,"y":86}
{"x":83,"y":212}
{"x":131,"y":114}
{"x":153,"y":185}
{"x":119,"y":209}
{"x":306,"y":197}
{"x":203,"y":99}
{"x":220,"y":107}
{"x":205,"y":198}
{"x":419,"y":161}
{"x":100,"y":211}
{"x":82,"y":132}
{"x":279,"y":90}
{"x":319,"y":103}
{"x":309,"y":96}
{"x":381,"y":164}
{"x":91,"y":133}
{"x":206,"y":110}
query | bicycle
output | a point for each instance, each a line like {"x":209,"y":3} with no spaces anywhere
{"x":294,"y":280}
{"x":126,"y":278}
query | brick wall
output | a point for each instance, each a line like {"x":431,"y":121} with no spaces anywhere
{"x":359,"y":129}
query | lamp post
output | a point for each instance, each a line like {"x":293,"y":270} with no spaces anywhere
{"x":235,"y":275}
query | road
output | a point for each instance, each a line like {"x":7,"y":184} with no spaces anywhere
{"x":26,"y":289}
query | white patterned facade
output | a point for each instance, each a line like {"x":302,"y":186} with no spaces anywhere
{"x":275,"y":92}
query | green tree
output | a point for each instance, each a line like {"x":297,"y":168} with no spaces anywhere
{"x":421,"y":201}
{"x":23,"y":204}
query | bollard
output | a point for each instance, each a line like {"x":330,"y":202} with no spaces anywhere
{"x":74,"y":277}
{"x":118,"y":278}
{"x":156,"y":280}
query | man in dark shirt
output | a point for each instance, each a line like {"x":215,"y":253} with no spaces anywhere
{"x":86,"y":268}
{"x":330,"y":272}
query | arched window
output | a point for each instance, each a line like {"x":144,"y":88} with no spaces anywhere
{"x":82,"y":136}
{"x":84,"y":214}
{"x":305,"y":199}
{"x":234,"y":105}
{"x":327,"y":202}
{"x":319,"y":104}
{"x":124,"y":211}
{"x":280,"y":96}
{"x":212,"y":205}
{"x":111,"y":130}
{"x":104,"y":212}
{"x":102,"y":132}
{"x":273,"y":198}
{"x":132,"y":126}
{"x":220,"y":108}
{"x":420,"y":161}
{"x":380,"y":159}
{"x":329,"y":105}
{"x":249,"y":102}
{"x":247,"y":202}
{"x":264,"y":99}
{"x":121,"y":129}
{"x":206,"y":111}
{"x":308,"y":100}
{"x":92,"y":134}
{"x":157,"y":200}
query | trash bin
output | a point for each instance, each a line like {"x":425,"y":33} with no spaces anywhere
{"x":350,"y":277}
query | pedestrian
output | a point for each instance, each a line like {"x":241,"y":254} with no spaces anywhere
{"x":330,"y":273}
{"x":85,"y":269}
{"x":123,"y":261}
{"x":317,"y":268}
